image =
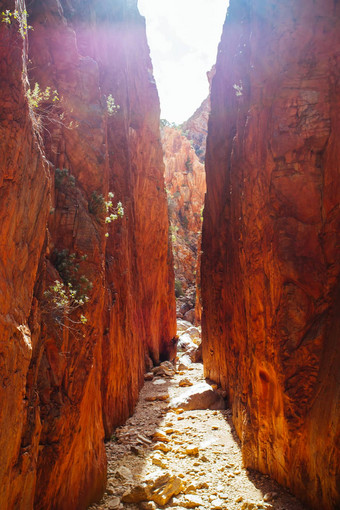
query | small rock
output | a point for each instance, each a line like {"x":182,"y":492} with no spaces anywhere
{"x":159,"y":381}
{"x":158,"y":460}
{"x":157,"y":488}
{"x":217,"y":504}
{"x":168,"y":365}
{"x":159,"y":436}
{"x":203,"y":485}
{"x":113,"y":503}
{"x":148,"y":376}
{"x":136,"y":450}
{"x":191,"y":450}
{"x":162,"y":447}
{"x":185,"y":382}
{"x":192,"y":501}
{"x":124,"y":473}
{"x":163,"y":371}
{"x":160,"y":398}
{"x":270,"y":496}
{"x":249,"y":505}
{"x":148,"y":505}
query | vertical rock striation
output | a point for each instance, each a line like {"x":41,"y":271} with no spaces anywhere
{"x":270,"y":266}
{"x":185,"y":183}
{"x":67,"y":383}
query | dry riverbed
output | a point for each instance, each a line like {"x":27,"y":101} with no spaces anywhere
{"x":174,"y":459}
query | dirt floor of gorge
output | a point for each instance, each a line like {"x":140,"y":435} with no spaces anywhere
{"x":200,"y":448}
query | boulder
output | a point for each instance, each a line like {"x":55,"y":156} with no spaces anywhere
{"x":184,"y":362}
{"x":190,"y":315}
{"x":199,"y":396}
{"x":195,"y":353}
{"x":183,"y":325}
{"x":157,"y":488}
{"x":185,"y":342}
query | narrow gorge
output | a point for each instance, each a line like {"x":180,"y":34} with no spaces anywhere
{"x":112,"y":223}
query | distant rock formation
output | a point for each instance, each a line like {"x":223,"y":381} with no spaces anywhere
{"x":196,"y":127}
{"x":270,"y":263}
{"x":185,"y":184}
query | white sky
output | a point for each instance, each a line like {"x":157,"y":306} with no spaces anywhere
{"x":183,"y":36}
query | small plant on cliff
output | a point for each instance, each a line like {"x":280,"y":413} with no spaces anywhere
{"x":178,"y":289}
{"x":37,"y":96}
{"x":64,"y":297}
{"x":67,"y":265}
{"x":111,"y":106}
{"x":188,"y":164}
{"x":62,"y":177}
{"x":62,"y":301}
{"x":20,"y":17}
{"x":104,"y":210}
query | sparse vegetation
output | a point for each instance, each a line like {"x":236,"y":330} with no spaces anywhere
{"x":20,"y":17}
{"x":62,"y":177}
{"x":178,"y":289}
{"x":103,"y":209}
{"x":64,"y":297}
{"x":111,"y":106}
{"x":188,"y":164}
{"x":37,"y":96}
{"x":61,"y":301}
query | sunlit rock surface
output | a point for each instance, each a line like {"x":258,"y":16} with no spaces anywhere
{"x":270,"y":266}
{"x":66,"y":384}
{"x":185,"y":183}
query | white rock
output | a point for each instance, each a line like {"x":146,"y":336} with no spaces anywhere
{"x":199,"y":396}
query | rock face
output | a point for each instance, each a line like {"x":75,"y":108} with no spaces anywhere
{"x":196,"y":127}
{"x":185,"y":183}
{"x":71,"y":372}
{"x":270,"y":266}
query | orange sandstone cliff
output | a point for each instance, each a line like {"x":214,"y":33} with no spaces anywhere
{"x":270,"y":266}
{"x":196,"y":127}
{"x":72,"y":358}
{"x":185,"y":184}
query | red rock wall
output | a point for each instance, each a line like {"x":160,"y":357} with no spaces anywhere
{"x":196,"y":127}
{"x":270,"y":267}
{"x":24,"y":206}
{"x":69,"y":384}
{"x":185,"y":183}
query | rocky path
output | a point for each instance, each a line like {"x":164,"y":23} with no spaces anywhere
{"x":169,"y":455}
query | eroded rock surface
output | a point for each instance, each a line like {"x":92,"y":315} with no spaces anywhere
{"x":270,"y":267}
{"x":68,"y":380}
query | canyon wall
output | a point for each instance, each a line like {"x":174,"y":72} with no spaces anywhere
{"x":196,"y":127}
{"x":185,"y":184}
{"x":72,"y":354}
{"x":270,"y":266}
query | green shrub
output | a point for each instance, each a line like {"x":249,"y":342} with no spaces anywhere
{"x":62,"y":177}
{"x":188,"y":164}
{"x":103,"y":210}
{"x":178,"y":289}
